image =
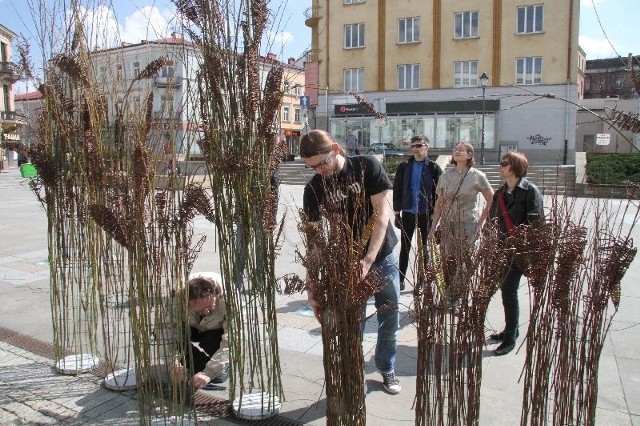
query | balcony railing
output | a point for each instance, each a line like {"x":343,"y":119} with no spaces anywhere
{"x":167,"y":81}
{"x":312,"y":15}
{"x":164,"y":115}
{"x":10,"y":71}
{"x":11,"y":119}
{"x":313,"y":55}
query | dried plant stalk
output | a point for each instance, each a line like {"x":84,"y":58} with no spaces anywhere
{"x":238,"y":117}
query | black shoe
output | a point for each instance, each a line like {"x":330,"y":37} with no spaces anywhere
{"x":390,"y":383}
{"x":504,"y":348}
{"x":401,"y":286}
{"x":498,"y":337}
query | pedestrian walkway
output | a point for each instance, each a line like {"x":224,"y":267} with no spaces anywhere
{"x":32,"y":393}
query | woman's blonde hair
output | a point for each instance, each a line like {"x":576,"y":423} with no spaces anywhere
{"x":317,"y":142}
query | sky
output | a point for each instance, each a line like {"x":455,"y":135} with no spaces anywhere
{"x":608,"y":28}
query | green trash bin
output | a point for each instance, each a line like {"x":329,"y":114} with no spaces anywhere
{"x":28,"y":170}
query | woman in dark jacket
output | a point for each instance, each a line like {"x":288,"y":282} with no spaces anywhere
{"x":517,"y":202}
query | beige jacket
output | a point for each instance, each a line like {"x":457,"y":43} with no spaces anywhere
{"x":215,"y":320}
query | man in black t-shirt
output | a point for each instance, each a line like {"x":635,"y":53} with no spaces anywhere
{"x":356,"y":188}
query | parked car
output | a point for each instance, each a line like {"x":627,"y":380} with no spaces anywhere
{"x":388,"y":149}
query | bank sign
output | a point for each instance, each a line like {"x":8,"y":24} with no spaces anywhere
{"x":349,"y":109}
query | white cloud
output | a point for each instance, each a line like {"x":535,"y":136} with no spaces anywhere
{"x":601,"y":49}
{"x":279,"y":39}
{"x":147,"y":23}
{"x":104,"y":30}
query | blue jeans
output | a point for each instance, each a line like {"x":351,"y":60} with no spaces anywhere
{"x":386,"y":303}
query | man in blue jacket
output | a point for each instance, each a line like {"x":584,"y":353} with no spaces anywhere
{"x":414,"y":196}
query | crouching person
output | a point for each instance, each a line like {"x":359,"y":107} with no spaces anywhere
{"x":207,"y":359}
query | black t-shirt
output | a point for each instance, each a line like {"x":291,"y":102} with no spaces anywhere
{"x":349,"y":194}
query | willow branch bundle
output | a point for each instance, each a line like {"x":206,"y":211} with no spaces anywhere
{"x":238,"y":114}
{"x":450,"y":343}
{"x":69,"y":146}
{"x":588,"y":255}
{"x":334,"y":248}
{"x":118,"y":250}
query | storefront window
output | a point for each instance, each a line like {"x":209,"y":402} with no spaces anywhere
{"x":443,"y":131}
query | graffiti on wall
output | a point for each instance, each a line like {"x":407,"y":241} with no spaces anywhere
{"x":538,"y":140}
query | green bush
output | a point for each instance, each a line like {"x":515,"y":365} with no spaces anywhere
{"x":613,"y":169}
{"x":391,"y":164}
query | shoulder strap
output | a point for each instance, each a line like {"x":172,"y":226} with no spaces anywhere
{"x":505,"y":214}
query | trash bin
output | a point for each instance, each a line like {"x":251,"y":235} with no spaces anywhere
{"x":28,"y":170}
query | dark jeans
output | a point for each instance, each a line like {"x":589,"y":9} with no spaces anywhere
{"x":209,"y":341}
{"x":509,"y":289}
{"x":409,"y":221}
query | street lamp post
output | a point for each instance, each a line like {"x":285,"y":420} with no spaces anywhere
{"x":484,"y":79}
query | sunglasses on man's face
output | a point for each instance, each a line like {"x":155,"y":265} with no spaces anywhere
{"x":320,"y":164}
{"x":504,"y":163}
{"x":418,"y":145}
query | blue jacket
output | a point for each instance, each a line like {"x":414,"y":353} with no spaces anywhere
{"x":402,"y":198}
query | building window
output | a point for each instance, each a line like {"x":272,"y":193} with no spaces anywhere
{"x":530,"y":19}
{"x":167,"y":71}
{"x":528,"y":70}
{"x":408,"y":76}
{"x":353,"y":36}
{"x":119,"y":75}
{"x":296,"y":116}
{"x":287,"y":86}
{"x":136,"y":69}
{"x":408,"y":30}
{"x":465,"y":74}
{"x":353,"y":1}
{"x":286,"y":113}
{"x":354,"y":80}
{"x":466,"y":25}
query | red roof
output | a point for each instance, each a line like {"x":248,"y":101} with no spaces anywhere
{"x":28,"y":96}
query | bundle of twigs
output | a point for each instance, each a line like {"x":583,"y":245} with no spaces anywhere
{"x":118,"y":249}
{"x":334,"y":247}
{"x":451,"y":339}
{"x":238,"y":114}
{"x":586,"y":254}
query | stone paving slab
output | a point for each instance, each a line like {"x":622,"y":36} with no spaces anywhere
{"x":29,"y":387}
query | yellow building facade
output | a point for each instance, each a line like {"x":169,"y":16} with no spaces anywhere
{"x":420,"y":63}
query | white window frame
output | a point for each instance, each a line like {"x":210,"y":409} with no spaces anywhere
{"x":465,"y":74}
{"x":533,"y":12}
{"x":296,"y":115}
{"x":408,"y":76}
{"x":353,"y":1}
{"x":136,"y":68}
{"x":409,"y":36}
{"x":353,"y":77}
{"x":351,"y":30}
{"x":466,"y":24}
{"x":286,"y":113}
{"x":529,"y":76}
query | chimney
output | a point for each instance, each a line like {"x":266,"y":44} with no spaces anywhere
{"x":291,"y":61}
{"x":272,"y":56}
